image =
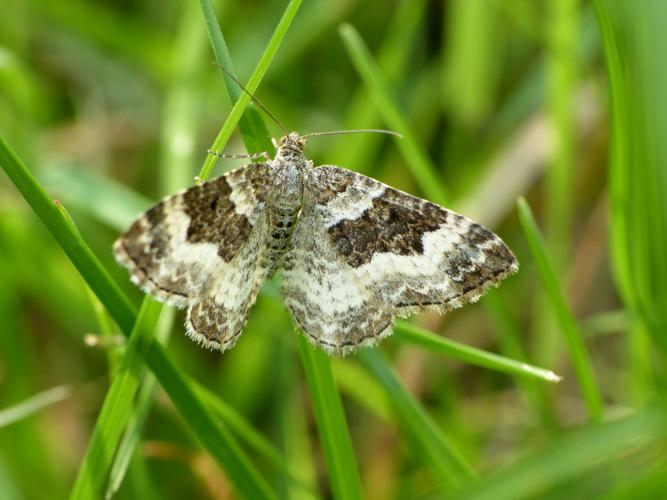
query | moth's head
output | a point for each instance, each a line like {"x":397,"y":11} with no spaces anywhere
{"x":292,"y":141}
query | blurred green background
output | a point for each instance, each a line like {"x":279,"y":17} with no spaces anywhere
{"x":112,"y":105}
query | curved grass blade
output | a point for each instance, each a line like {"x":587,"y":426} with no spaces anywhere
{"x":417,"y":160}
{"x":447,"y":463}
{"x":407,"y":332}
{"x":251,"y":86}
{"x":215,"y":438}
{"x":582,"y":364}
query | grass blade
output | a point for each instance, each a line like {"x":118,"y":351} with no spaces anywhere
{"x":33,"y":404}
{"x":435,"y":450}
{"x":571,"y":456}
{"x":213,"y":437}
{"x":255,"y":135}
{"x":418,"y":161}
{"x":334,"y":435}
{"x":635,"y":58}
{"x":406,"y":332}
{"x":251,"y":86}
{"x":117,"y":406}
{"x":246,"y":432}
{"x":582,"y":364}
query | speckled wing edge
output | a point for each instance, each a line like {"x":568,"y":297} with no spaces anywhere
{"x":189,"y":248}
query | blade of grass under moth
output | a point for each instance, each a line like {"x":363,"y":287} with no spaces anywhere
{"x":245,"y":431}
{"x":406,"y":332}
{"x":117,"y":407}
{"x":140,"y":411}
{"x":436,"y":451}
{"x":583,"y":367}
{"x":251,"y":86}
{"x":331,"y":424}
{"x":215,"y":438}
{"x":255,"y":135}
{"x":417,"y":160}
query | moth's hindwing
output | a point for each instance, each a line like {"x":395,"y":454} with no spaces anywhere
{"x":204,"y":248}
{"x":364,"y":253}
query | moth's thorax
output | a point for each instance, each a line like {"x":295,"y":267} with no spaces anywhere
{"x":289,"y":167}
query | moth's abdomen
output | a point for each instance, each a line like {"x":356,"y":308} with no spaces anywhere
{"x":281,"y":227}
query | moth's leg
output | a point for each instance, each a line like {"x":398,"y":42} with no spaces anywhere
{"x":252,"y":156}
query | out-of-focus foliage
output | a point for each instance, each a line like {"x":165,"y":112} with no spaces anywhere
{"x":112,"y":105}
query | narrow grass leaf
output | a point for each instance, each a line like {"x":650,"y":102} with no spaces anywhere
{"x":34,"y":404}
{"x":361,"y":112}
{"x":252,"y":85}
{"x":436,"y":451}
{"x":131,"y":436}
{"x":406,"y":332}
{"x":582,"y":364}
{"x":144,"y":401}
{"x":421,"y":167}
{"x":635,"y":52}
{"x":246,"y":432}
{"x":510,"y":342}
{"x":331,"y":424}
{"x":117,"y":407}
{"x":107,"y":200}
{"x":211,"y":435}
{"x":255,"y":135}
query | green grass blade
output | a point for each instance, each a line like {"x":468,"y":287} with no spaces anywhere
{"x":246,"y":432}
{"x":415,"y":155}
{"x":142,"y":406}
{"x":562,"y":70}
{"x":106,"y":199}
{"x":254,"y":81}
{"x":582,"y":364}
{"x":331,"y":424}
{"x":117,"y":406}
{"x":406,"y":332}
{"x":131,"y":437}
{"x":360,"y":152}
{"x":635,"y":55}
{"x":33,"y":404}
{"x":213,"y":437}
{"x":255,"y":135}
{"x":447,"y":463}
{"x":510,"y":342}
{"x":571,"y":457}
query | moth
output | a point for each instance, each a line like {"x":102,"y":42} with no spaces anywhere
{"x":354,"y":252}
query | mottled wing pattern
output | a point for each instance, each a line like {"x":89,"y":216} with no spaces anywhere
{"x":204,"y":248}
{"x":364,"y":252}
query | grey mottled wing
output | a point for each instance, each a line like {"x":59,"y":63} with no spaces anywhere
{"x":364,"y":253}
{"x":204,"y":248}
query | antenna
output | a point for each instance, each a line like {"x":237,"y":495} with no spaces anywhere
{"x":255,"y":100}
{"x":358,"y":131}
